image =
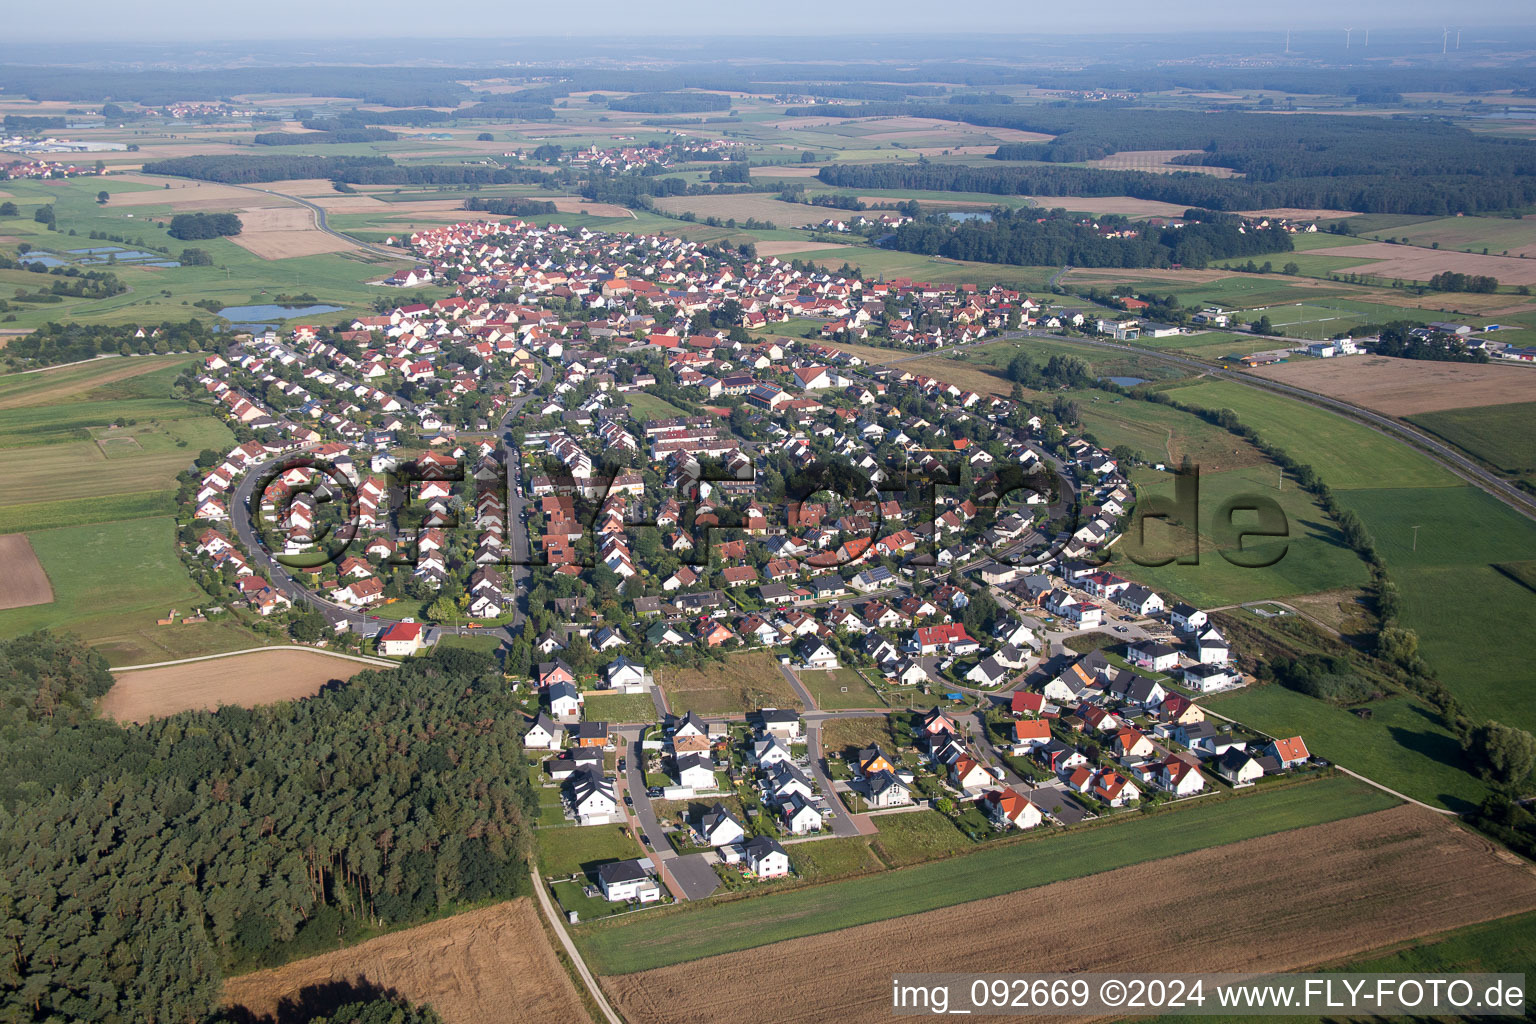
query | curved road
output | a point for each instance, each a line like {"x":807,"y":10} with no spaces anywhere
{"x":319,"y":212}
{"x":361,"y":621}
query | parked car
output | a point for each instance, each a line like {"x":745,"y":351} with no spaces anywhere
{"x":621,"y":764}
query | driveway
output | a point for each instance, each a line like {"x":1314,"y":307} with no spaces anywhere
{"x":694,"y":875}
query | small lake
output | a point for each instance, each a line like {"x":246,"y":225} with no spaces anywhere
{"x":1125,"y":382}
{"x":963,"y":215}
{"x":270,"y":313}
{"x":101,"y":256}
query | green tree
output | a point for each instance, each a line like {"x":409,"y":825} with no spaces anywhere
{"x":1503,"y":754}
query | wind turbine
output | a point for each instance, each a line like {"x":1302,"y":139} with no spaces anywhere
{"x":1458,"y":39}
{"x":1367,"y":37}
{"x":1287,"y":41}
{"x":1445,"y":35}
{"x":1346,"y":37}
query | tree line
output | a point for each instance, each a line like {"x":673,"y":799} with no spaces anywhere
{"x":324,"y":138}
{"x":1026,"y":238}
{"x":137,"y":863}
{"x":515,"y":207}
{"x":671,"y":103}
{"x":356,"y":170}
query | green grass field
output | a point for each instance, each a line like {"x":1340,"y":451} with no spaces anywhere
{"x":1314,"y":558}
{"x":661,"y":939}
{"x":1402,"y":745}
{"x":1473,"y":621}
{"x":1345,"y":453}
{"x":841,"y":689}
{"x":912,"y":837}
{"x":620,"y":707}
{"x":565,"y":851}
{"x":738,"y":683}
{"x":645,"y":407}
{"x":1499,"y":435}
{"x":887,"y":263}
{"x":111,"y":581}
{"x":825,"y":859}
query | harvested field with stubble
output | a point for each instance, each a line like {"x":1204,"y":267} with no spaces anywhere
{"x":280,"y":232}
{"x":1416,"y":264}
{"x":22,"y":580}
{"x":262,"y":677}
{"x":1311,"y":896}
{"x":1405,"y":387}
{"x":489,"y":966}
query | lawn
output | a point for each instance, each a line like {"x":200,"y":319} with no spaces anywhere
{"x":565,"y":851}
{"x":111,"y":581}
{"x":1500,"y":435}
{"x":1402,"y":745}
{"x":911,"y":837}
{"x":658,"y":940}
{"x":842,"y":689}
{"x":1345,"y":453}
{"x":1312,"y":557}
{"x":736,"y":684}
{"x":620,"y":707}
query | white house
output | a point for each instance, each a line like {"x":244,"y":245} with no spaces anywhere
{"x":813,"y":654}
{"x":565,"y":701}
{"x":719,"y":828}
{"x":1211,"y":648}
{"x":765,"y":857}
{"x":695,"y":771}
{"x":628,"y":880}
{"x":400,"y":639}
{"x":1011,"y":809}
{"x":799,"y":816}
{"x":770,"y":751}
{"x":543,"y":734}
{"x":622,"y":674}
{"x":1186,"y":618}
{"x":781,"y":722}
{"x":592,"y":797}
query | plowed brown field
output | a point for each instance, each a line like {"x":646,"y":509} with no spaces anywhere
{"x":489,"y":966}
{"x":244,"y":679}
{"x":1281,"y":902}
{"x":22,"y":580}
{"x":1403,"y":387}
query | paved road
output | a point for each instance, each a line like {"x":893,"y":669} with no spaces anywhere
{"x":320,"y":223}
{"x":689,"y":877}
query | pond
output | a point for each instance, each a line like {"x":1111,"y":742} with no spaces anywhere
{"x":271,"y":313}
{"x":1125,"y":382}
{"x":961,"y":215}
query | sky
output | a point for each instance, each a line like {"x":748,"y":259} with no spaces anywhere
{"x":200,"y":20}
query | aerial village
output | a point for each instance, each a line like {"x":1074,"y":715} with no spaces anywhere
{"x":598,"y":453}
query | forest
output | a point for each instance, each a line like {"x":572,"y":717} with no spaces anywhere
{"x":1428,"y":196}
{"x":514,"y":207}
{"x":1026,"y":238}
{"x":1367,"y":164}
{"x":322,"y":138}
{"x":671,"y":103}
{"x":356,"y":170}
{"x":205,"y":843}
{"x":193,"y":227}
{"x":67,"y":343}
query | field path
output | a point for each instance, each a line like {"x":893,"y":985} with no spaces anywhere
{"x":571,"y":950}
{"x":376,"y":662}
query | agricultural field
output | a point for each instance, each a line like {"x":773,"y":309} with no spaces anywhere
{"x":1347,"y":886}
{"x":133,"y":561}
{"x":1452,"y":594}
{"x":1345,"y":453}
{"x":1498,"y":236}
{"x":1412,"y":263}
{"x":1311,"y":558}
{"x":1039,"y":859}
{"x":1499,"y":435}
{"x":884,"y":264}
{"x":1408,"y":387}
{"x":734,"y":685}
{"x":22,"y":580}
{"x":841,"y":689}
{"x":246,"y":680}
{"x":748,"y":206}
{"x":139,"y":211}
{"x":495,"y":964}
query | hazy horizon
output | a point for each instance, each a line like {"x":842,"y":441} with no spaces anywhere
{"x":185,"y":21}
